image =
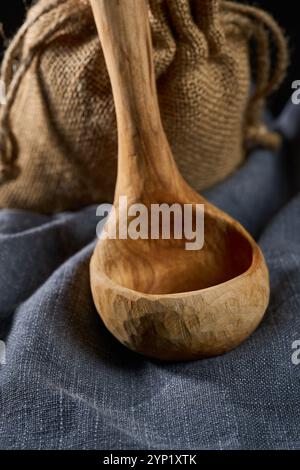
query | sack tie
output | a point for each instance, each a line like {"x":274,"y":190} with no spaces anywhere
{"x":186,"y":31}
{"x":265,"y":31}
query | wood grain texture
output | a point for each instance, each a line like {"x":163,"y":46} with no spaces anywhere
{"x":153,"y":295}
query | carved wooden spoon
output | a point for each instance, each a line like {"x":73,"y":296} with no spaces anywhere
{"x":154,"y":296}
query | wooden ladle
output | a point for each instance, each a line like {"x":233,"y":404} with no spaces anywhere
{"x":154,"y":296}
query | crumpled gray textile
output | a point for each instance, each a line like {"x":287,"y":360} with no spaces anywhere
{"x":68,"y":384}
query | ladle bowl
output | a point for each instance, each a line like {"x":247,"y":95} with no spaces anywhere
{"x":154,"y":296}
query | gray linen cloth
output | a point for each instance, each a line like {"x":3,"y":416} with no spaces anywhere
{"x":68,"y":384}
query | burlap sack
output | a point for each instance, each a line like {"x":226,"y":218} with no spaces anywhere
{"x":58,"y":131}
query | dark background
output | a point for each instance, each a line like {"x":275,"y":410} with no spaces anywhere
{"x":12,"y":14}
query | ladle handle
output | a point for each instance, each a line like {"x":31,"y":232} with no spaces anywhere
{"x":144,"y":153}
